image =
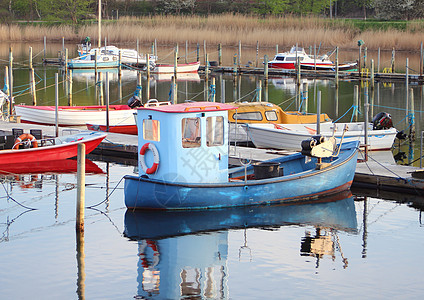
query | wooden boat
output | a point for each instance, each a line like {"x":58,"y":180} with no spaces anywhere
{"x":181,"y":68}
{"x":287,"y":60}
{"x":289,"y":136}
{"x":336,"y":212}
{"x":265,"y":112}
{"x":75,"y":115}
{"x":50,"y":149}
{"x":184,"y":165}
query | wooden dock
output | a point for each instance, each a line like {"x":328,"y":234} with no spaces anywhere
{"x":380,"y":171}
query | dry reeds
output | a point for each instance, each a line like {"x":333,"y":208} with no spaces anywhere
{"x":226,"y":29}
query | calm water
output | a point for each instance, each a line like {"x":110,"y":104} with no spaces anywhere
{"x":366,"y":245}
{"x":349,"y":247}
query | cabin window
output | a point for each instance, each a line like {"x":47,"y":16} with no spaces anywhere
{"x":151,"y":130}
{"x":251,"y":116}
{"x":271,"y":115}
{"x":291,"y":59}
{"x":191,"y":132}
{"x":280,"y":58}
{"x":214,"y":131}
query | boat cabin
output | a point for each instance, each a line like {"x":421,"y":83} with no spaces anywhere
{"x":266,"y":112}
{"x":185,"y":142}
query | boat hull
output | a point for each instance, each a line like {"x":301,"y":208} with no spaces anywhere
{"x":145,"y":193}
{"x":67,"y":149}
{"x":181,"y":68}
{"x":123,"y":129}
{"x":267,"y":136}
{"x":75,"y":115}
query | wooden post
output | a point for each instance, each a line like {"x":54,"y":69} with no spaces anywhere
{"x":32,"y":78}
{"x":80,"y":187}
{"x":359,"y":61}
{"x":6,"y":83}
{"x":81,"y":265}
{"x":175,"y":60}
{"x":259,"y":91}
{"x":411,"y":116}
{"x":315,"y":58}
{"x":186,"y":51}
{"x":407,"y":84}
{"x":219,"y":54}
{"x":378,"y":61}
{"x":356,"y":101}
{"x":372,"y":74}
{"x":393,"y":61}
{"x":63,"y":47}
{"x":148,"y":65}
{"x":276,"y":49}
{"x":120,"y":63}
{"x":95,"y":64}
{"x":266,"y":67}
{"x":56,"y":101}
{"x":257,"y":54}
{"x":138,"y":51}
{"x":239,"y":55}
{"x":222,"y":89}
{"x":319,"y":113}
{"x":99,"y":24}
{"x":337,"y":66}
{"x":45,"y":50}
{"x":107,"y":101}
{"x":366,"y":108}
{"x":206,"y":65}
{"x":11,"y":80}
{"x":305,"y":96}
{"x":235,"y":65}
{"x":100,"y":87}
{"x":365,"y":56}
{"x":197,"y":52}
{"x":66,"y":61}
{"x":204,"y":50}
{"x":70,"y":87}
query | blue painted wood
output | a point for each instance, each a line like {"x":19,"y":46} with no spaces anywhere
{"x":300,"y":182}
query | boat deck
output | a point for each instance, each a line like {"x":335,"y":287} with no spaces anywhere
{"x":380,"y":171}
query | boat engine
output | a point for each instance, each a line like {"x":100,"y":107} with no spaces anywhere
{"x":382,"y":120}
{"x":134,"y":102}
{"x":318,"y":146}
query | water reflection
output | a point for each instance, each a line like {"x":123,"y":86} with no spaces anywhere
{"x":184,"y":253}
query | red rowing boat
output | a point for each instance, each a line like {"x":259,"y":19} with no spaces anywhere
{"x":49,"y":149}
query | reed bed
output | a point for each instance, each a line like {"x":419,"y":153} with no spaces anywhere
{"x":226,"y":29}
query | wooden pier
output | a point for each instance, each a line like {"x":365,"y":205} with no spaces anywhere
{"x":380,"y":171}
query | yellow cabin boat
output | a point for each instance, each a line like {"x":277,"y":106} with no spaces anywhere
{"x":265,"y":112}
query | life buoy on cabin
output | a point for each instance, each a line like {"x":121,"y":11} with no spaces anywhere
{"x":155,"y":152}
{"x":24,"y":137}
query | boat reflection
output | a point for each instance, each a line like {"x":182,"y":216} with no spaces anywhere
{"x":184,"y":253}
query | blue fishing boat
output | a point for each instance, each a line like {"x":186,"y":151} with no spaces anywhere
{"x":183,"y":164}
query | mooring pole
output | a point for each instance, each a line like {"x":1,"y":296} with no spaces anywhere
{"x":32,"y":78}
{"x":366,"y":106}
{"x":219,"y":54}
{"x":11,"y":80}
{"x":80,"y":187}
{"x":70,"y":87}
{"x":107,"y":101}
{"x":266,"y":67}
{"x":56,"y":101}
{"x":45,"y":50}
{"x":319,"y":113}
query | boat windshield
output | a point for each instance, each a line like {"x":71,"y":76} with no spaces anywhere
{"x":280,"y":58}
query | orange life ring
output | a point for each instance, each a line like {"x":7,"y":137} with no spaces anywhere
{"x":155,"y":165}
{"x":24,"y":137}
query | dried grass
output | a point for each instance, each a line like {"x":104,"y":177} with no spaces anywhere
{"x":226,"y":29}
